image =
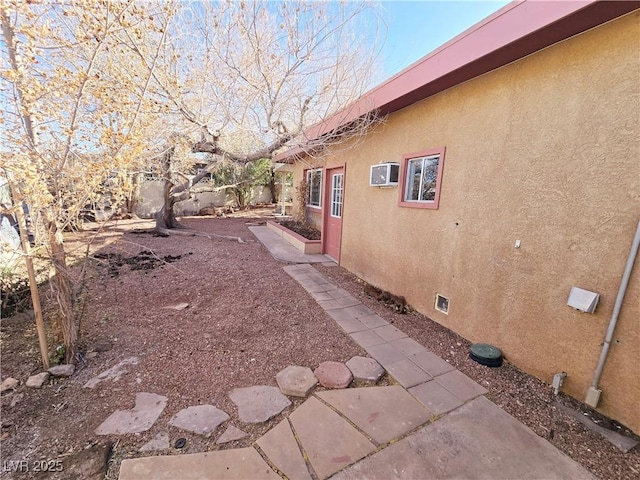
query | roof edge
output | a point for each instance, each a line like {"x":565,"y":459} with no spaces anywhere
{"x":513,"y":32}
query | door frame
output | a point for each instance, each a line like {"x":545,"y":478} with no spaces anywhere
{"x":326,"y":204}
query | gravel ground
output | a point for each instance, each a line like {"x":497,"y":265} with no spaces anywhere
{"x":246,"y":320}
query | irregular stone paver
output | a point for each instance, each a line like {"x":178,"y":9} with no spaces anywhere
{"x":280,"y":446}
{"x":330,"y":442}
{"x":9,"y":383}
{"x":435,"y":397}
{"x":140,"y":418}
{"x":383,"y":413}
{"x":478,"y":441}
{"x":296,"y":381}
{"x":230,"y":434}
{"x":407,"y":373}
{"x":367,"y":338}
{"x":333,"y":375}
{"x":62,"y":370}
{"x":159,"y":442}
{"x":234,"y":464}
{"x":389,"y":333}
{"x":258,"y":404}
{"x":199,"y":419}
{"x":365,"y":369}
{"x":37,"y":381}
{"x":460,"y":385}
{"x":113,"y":374}
{"x":431,"y":363}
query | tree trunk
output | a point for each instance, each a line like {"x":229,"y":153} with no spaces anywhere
{"x":273,"y":186}
{"x":62,"y":290}
{"x":166,"y":217}
{"x":132,"y":198}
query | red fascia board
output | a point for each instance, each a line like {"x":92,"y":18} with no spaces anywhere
{"x":513,"y":32}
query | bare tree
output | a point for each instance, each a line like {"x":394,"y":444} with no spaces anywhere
{"x":76,"y":100}
{"x":250,"y":77}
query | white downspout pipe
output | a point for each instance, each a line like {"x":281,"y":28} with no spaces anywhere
{"x":593,"y":394}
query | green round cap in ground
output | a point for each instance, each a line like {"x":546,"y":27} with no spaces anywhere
{"x":486,"y":351}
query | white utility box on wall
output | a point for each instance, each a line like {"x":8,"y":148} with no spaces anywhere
{"x":583,"y":300}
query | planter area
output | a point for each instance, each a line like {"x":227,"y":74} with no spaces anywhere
{"x":302,"y":244}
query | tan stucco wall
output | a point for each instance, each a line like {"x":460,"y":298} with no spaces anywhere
{"x":544,"y":151}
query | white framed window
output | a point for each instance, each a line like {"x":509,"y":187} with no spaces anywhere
{"x":337,"y":190}
{"x":314,"y":182}
{"x":421,"y":179}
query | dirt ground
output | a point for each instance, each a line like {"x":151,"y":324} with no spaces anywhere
{"x":246,"y":320}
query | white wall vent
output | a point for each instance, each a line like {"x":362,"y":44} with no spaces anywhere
{"x":384,"y":174}
{"x":442,"y":304}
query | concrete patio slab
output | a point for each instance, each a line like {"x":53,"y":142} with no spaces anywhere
{"x":281,"y":447}
{"x":258,"y":404}
{"x":236,"y":464}
{"x":330,"y":442}
{"x":140,"y":418}
{"x":460,"y":385}
{"x":435,"y":397}
{"x":477,"y":441}
{"x":383,"y":413}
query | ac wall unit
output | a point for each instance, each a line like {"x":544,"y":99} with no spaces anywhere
{"x":384,"y":175}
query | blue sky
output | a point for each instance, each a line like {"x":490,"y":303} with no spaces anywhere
{"x":415,"y":28}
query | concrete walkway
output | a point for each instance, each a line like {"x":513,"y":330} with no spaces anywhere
{"x":284,"y":251}
{"x":436,"y":423}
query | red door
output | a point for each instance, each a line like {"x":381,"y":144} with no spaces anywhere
{"x":333,"y":212}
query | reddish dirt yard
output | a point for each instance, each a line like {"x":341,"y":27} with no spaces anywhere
{"x":246,"y":320}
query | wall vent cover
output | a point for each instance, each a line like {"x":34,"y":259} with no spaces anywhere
{"x":442,"y":304}
{"x":384,"y":175}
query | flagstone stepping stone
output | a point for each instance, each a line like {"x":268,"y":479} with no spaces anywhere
{"x":365,"y":369}
{"x":62,"y":370}
{"x":178,"y":306}
{"x":140,"y":418}
{"x":159,"y":442}
{"x":199,"y":419}
{"x":280,"y":446}
{"x":296,"y":381}
{"x":113,"y":374}
{"x":232,"y":464}
{"x":330,"y":442}
{"x":258,"y":404}
{"x":9,"y":383}
{"x":383,"y":413}
{"x":37,"y":381}
{"x":333,"y":375}
{"x":230,"y":434}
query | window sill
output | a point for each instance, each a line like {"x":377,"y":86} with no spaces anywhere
{"x":313,"y":207}
{"x":432,"y":205}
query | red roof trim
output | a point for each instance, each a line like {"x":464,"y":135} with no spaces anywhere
{"x":513,"y":32}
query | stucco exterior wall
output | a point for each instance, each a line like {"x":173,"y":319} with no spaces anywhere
{"x":545,"y":151}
